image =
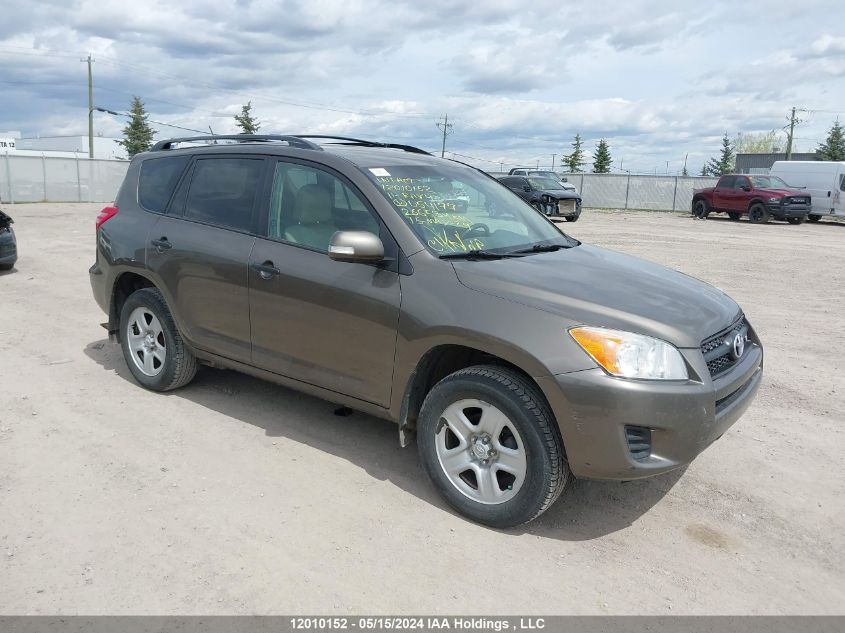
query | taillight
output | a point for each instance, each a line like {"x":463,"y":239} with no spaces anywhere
{"x":106,"y":214}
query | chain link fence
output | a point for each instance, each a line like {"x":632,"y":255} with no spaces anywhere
{"x":58,"y":179}
{"x":629,"y":191}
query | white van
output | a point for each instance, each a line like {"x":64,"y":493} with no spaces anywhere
{"x":823,"y":180}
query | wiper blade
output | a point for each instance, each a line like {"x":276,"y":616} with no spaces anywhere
{"x":478,"y":254}
{"x":541,"y":248}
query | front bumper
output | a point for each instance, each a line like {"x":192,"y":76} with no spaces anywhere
{"x":788,"y":210}
{"x":593,"y":410}
{"x":562,"y":208}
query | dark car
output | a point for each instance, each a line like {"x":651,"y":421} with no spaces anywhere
{"x":760,"y":197}
{"x":8,"y":243}
{"x":547,"y":195}
{"x":516,"y":355}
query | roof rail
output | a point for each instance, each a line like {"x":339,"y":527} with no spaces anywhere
{"x":294,"y":141}
{"x":357,"y":141}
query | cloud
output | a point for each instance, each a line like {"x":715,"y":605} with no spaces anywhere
{"x":657,"y":77}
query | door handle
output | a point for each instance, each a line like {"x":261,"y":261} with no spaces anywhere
{"x":162,"y":244}
{"x":266,"y":270}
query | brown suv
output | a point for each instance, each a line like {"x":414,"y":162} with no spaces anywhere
{"x":420,"y":290}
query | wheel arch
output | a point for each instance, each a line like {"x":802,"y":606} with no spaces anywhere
{"x":437,"y":363}
{"x":753,"y":202}
{"x":124,"y":285}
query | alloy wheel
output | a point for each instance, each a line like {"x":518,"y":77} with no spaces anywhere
{"x":146,"y":341}
{"x":480,"y":451}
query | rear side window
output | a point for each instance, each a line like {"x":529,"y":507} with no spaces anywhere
{"x":223,"y":191}
{"x":158,"y":180}
{"x":726,"y":181}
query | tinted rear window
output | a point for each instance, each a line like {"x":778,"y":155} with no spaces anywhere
{"x":158,"y":180}
{"x":223,"y":191}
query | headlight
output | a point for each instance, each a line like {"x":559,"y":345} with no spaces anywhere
{"x":775,"y":200}
{"x":630,"y":355}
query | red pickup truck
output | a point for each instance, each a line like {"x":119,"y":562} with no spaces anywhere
{"x":761,"y":197}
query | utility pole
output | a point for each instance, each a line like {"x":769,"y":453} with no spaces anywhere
{"x":789,"y":138}
{"x":90,"y":107}
{"x":553,"y":161}
{"x":447,"y":129}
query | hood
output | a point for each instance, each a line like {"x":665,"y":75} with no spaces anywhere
{"x":782,"y":192}
{"x":588,"y":285}
{"x":561,"y":194}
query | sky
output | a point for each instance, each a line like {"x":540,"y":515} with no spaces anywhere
{"x":661,"y":81}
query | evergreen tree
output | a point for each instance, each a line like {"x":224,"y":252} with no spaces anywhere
{"x":575,"y":161}
{"x":137,"y":135}
{"x":601,"y":159}
{"x":725,"y":163}
{"x":834,"y":146}
{"x":245,"y":120}
{"x":703,"y":170}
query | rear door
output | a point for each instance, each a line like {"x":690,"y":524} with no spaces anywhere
{"x":327,"y":323}
{"x":723,"y":194}
{"x":200,"y":252}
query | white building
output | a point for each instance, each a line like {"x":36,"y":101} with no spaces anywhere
{"x":70,"y":146}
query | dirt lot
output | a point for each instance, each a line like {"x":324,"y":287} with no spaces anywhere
{"x":237,"y":496}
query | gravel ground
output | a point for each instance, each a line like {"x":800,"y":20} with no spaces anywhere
{"x":237,"y":496}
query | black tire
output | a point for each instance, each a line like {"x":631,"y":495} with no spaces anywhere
{"x":799,"y":220}
{"x":547,"y":470}
{"x":758,"y":214}
{"x":180,"y":364}
{"x":6,"y":266}
{"x":734,"y":216}
{"x":572,"y":218}
{"x":700,"y":208}
{"x":813,"y":217}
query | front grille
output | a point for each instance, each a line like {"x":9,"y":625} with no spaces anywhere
{"x":718,"y":349}
{"x":639,"y":441}
{"x":797,"y":200}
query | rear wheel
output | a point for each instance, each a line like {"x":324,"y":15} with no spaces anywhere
{"x":734,"y":216}
{"x":814,"y":218}
{"x":758,"y":214}
{"x":799,"y":220}
{"x":152,"y":346}
{"x":490,"y":445}
{"x":572,"y":218}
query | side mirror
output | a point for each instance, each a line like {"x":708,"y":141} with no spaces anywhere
{"x":356,"y":246}
{"x":746,"y":188}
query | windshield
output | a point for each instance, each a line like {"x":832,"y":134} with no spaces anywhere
{"x":545,"y":183}
{"x":455,"y":209}
{"x":768,"y":182}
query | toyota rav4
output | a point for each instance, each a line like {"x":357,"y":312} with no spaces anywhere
{"x":420,"y":290}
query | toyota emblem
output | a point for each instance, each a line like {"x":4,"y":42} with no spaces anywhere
{"x":738,"y":346}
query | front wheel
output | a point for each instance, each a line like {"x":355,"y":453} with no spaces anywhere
{"x":799,"y":220}
{"x":152,"y":346}
{"x":758,"y":214}
{"x":572,"y":218}
{"x":813,"y":217}
{"x":700,"y":208}
{"x":490,"y":445}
